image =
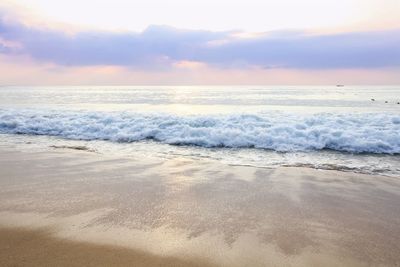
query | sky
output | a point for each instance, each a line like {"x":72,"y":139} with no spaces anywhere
{"x":187,"y":42}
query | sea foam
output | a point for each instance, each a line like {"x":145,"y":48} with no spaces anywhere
{"x":358,"y":133}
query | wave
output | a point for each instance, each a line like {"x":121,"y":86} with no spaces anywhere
{"x":356,"y":133}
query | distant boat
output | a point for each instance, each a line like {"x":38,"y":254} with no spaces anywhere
{"x":339,"y":85}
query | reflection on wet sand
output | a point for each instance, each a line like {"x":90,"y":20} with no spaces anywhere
{"x":227,"y":215}
{"x":21,"y":247}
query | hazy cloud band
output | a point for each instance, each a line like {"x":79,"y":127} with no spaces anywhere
{"x":160,"y":46}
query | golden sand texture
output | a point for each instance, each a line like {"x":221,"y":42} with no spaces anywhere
{"x":22,"y":247}
{"x":176,"y":211}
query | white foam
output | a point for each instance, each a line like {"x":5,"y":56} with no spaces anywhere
{"x":372,"y":133}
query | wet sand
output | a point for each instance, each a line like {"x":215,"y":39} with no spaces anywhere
{"x":68,"y":206}
{"x":22,"y":247}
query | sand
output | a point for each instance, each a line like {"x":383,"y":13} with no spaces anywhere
{"x":64,"y":206}
{"x":22,"y":247}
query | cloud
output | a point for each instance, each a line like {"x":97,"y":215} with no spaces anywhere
{"x":160,"y":47}
{"x":347,"y":50}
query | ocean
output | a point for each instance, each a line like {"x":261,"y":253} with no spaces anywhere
{"x":350,"y":128}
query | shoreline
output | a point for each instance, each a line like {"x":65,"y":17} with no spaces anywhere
{"x":186,"y":212}
{"x":369,"y":164}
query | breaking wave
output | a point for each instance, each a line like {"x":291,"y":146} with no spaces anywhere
{"x":356,"y":133}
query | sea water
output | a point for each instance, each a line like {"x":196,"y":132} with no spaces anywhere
{"x":351,"y":128}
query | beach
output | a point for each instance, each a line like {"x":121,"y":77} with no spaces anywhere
{"x":199,"y":176}
{"x":200,"y":133}
{"x":67,"y":205}
{"x":22,"y":247}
